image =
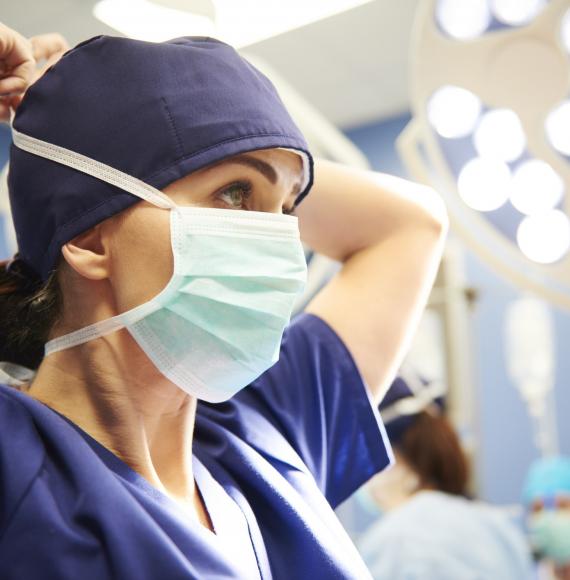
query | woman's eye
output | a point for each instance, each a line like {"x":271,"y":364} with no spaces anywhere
{"x":236,"y":194}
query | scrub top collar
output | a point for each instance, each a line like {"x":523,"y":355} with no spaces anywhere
{"x":231,"y":525}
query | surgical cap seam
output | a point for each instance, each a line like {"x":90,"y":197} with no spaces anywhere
{"x":177,"y":137}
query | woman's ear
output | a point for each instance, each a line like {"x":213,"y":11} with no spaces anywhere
{"x":88,"y":255}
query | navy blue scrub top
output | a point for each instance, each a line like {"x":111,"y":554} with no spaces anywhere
{"x":271,"y":464}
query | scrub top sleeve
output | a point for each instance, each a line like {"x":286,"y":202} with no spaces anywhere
{"x":316,"y":397}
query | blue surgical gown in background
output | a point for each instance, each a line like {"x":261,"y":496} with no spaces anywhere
{"x":271,"y":464}
{"x":437,"y":536}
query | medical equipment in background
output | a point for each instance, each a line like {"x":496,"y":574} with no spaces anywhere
{"x":491,"y":105}
{"x":530,"y":349}
{"x":490,"y":92}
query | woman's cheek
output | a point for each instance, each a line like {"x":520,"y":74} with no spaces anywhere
{"x":143,"y":261}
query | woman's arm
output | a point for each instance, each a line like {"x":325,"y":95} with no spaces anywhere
{"x":389,"y":234}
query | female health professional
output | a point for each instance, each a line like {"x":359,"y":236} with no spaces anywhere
{"x":178,"y":426}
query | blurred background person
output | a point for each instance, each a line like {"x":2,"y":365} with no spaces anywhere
{"x":430,"y":528}
{"x":547,"y":497}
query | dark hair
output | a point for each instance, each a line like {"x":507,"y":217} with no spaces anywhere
{"x":28,"y":311}
{"x":432,"y":449}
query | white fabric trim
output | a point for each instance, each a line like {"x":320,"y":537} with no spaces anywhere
{"x":101,"y":328}
{"x":415,"y":403}
{"x":15,"y":375}
{"x":232,"y":222}
{"x":111,"y":175}
{"x":306,"y":165}
{"x":91,"y":167}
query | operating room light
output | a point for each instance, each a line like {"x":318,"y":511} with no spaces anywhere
{"x":484,"y":184}
{"x":557,"y":128}
{"x":238,"y":23}
{"x":536,"y":187}
{"x":500,"y":135}
{"x":465,"y":19}
{"x":516,"y":12}
{"x":544,"y":238}
{"x":453,"y":111}
{"x":519,"y":68}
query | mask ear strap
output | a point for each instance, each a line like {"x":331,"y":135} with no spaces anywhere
{"x":15,"y":375}
{"x":91,"y":167}
{"x":101,"y":328}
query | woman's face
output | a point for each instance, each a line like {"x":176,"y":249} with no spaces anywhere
{"x":561,"y":502}
{"x":138,"y":239}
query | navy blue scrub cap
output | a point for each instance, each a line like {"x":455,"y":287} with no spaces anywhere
{"x":407,"y":397}
{"x":155,"y":111}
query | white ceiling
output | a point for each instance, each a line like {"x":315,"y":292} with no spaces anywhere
{"x":352,"y":66}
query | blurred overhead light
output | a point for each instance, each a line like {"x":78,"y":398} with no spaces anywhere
{"x":463,"y":20}
{"x":516,"y":12}
{"x":453,"y":111}
{"x":544,"y":238}
{"x":145,"y":20}
{"x":484,"y":184}
{"x":500,"y":135}
{"x":558,"y":128}
{"x":237,"y":23}
{"x":536,"y":187}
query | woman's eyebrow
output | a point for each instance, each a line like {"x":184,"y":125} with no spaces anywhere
{"x":266,"y":169}
{"x":262,"y":167}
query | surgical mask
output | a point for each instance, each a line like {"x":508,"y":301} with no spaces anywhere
{"x":218,"y":323}
{"x":366,"y":502}
{"x":550,"y":535}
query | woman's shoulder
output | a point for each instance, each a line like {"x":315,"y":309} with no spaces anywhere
{"x":22,"y":451}
{"x":20,"y":442}
{"x":15,"y":418}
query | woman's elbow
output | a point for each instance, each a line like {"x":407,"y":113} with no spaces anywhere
{"x":433,"y":211}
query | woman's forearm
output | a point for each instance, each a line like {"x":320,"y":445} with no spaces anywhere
{"x":389,"y":233}
{"x":351,"y":209}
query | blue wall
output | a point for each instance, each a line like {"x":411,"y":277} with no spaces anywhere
{"x":505,"y":440}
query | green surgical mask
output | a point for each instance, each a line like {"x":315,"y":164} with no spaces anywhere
{"x":550,"y":535}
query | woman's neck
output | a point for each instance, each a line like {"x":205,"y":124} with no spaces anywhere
{"x":110,"y":389}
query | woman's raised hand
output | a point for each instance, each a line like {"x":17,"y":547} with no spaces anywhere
{"x":19,"y":60}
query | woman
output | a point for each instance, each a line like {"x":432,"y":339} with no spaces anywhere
{"x":430,"y":530}
{"x":546,"y":495}
{"x":160,"y":438}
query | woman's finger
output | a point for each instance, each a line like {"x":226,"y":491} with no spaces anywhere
{"x":17,"y":60}
{"x":45,"y":46}
{"x":16,"y":82}
{"x":4,"y":110}
{"x":49,"y":62}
